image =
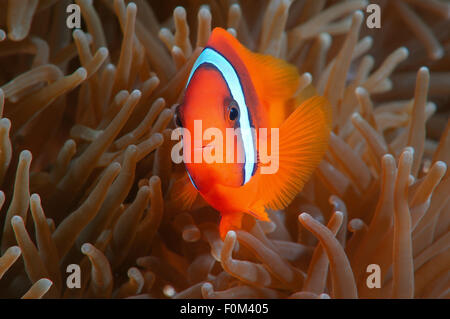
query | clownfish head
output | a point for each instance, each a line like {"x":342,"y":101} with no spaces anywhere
{"x":215,"y":114}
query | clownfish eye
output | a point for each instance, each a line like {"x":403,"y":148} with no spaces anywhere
{"x":233,"y":113}
{"x":231,"y":109}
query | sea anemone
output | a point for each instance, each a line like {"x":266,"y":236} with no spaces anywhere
{"x":85,"y":152}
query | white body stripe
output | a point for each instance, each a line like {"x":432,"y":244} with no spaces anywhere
{"x":229,"y":73}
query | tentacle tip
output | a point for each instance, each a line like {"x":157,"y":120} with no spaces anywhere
{"x":355,"y":224}
{"x":235,"y":6}
{"x":191,"y":235}
{"x":25,"y":155}
{"x":404,"y":52}
{"x":47,"y":283}
{"x":180,"y":12}
{"x":411,"y":180}
{"x":424,"y":71}
{"x":339,"y":214}
{"x":326,"y":39}
{"x":15,"y":250}
{"x":154,"y":180}
{"x":358,"y":16}
{"x":15,"y":35}
{"x":35,"y":197}
{"x":388,"y":158}
{"x":103,"y":51}
{"x":6,"y":123}
{"x":160,"y":100}
{"x":368,"y":39}
{"x":204,"y":12}
{"x":232,"y":31}
{"x":115,"y":166}
{"x":163,"y":31}
{"x":132,"y":6}
{"x":303,"y":216}
{"x":155,"y":78}
{"x":77,"y":33}
{"x":131,"y":148}
{"x":207,"y":285}
{"x":441,"y":166}
{"x":356,"y":117}
{"x":360,"y":91}
{"x":136,"y":93}
{"x":207,"y":289}
{"x":86,"y":248}
{"x":16,"y":220}
{"x":158,"y":138}
{"x":145,"y":190}
{"x":176,"y":50}
{"x":231,"y":235}
{"x":307,"y":76}
{"x":409,"y":151}
{"x":82,"y":73}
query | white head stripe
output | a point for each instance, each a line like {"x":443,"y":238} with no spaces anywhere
{"x":229,"y":74}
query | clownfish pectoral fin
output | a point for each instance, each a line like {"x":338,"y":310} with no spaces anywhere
{"x":303,"y":141}
{"x":229,"y":221}
{"x":183,"y":193}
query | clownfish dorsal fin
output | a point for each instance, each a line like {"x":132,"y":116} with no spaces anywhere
{"x":303,"y":141}
{"x":273,"y":78}
{"x":276,"y":80}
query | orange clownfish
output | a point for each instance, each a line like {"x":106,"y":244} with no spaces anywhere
{"x":230,"y":87}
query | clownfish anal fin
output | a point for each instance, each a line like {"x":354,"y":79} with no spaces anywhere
{"x":303,"y":141}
